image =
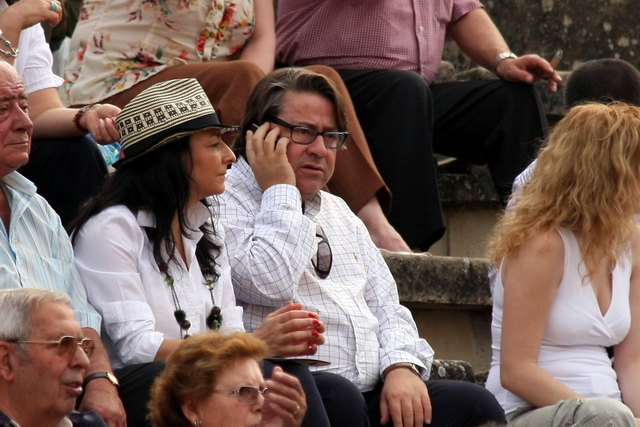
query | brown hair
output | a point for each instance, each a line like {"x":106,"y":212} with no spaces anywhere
{"x":266,"y":99}
{"x":193,"y":370}
{"x":586,"y":179}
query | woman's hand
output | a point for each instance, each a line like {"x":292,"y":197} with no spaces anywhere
{"x":100,"y":121}
{"x":291,"y":331}
{"x":27,"y":13}
{"x":285,"y":404}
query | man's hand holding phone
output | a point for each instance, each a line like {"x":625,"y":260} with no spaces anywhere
{"x":267,"y":155}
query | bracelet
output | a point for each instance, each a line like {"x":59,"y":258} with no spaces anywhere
{"x":81,"y":112}
{"x":12,"y":52}
{"x":411,"y":366}
{"x":501,"y":57}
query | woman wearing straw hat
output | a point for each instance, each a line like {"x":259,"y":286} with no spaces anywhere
{"x":121,"y":47}
{"x":150,"y":251}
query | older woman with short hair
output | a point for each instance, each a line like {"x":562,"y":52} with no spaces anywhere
{"x":215,"y":380}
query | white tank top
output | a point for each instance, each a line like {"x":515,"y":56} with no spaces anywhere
{"x":574,"y":341}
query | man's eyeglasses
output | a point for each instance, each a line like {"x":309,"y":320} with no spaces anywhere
{"x":246,"y":394}
{"x":228,"y":134}
{"x":67,"y":345}
{"x":303,"y":135}
{"x":323,"y":258}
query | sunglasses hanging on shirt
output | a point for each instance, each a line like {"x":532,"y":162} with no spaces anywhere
{"x":323,"y":259}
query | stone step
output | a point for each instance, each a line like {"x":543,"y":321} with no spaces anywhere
{"x":582,"y":29}
{"x":450,"y":301}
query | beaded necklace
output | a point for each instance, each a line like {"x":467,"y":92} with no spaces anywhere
{"x":214,"y":319}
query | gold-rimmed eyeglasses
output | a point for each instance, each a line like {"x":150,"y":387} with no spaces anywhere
{"x":67,"y":345}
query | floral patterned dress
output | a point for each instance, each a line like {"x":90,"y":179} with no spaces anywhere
{"x":118,"y":43}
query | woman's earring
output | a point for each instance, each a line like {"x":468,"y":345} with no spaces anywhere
{"x":198,"y":423}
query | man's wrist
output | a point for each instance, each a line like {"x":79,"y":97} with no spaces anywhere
{"x":96,"y":375}
{"x":501,"y":57}
{"x":115,"y":384}
{"x":403,"y":365}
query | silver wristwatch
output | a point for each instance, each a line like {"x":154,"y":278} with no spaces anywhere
{"x":501,"y":57}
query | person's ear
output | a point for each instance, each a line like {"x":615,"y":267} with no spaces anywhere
{"x":7,"y":361}
{"x":190,"y":410}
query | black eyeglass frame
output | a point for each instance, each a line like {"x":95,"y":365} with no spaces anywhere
{"x":86,"y":344}
{"x":322,"y":273}
{"x":342,"y":134}
{"x":253,"y":397}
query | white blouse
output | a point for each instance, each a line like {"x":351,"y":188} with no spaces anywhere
{"x":115,"y":261}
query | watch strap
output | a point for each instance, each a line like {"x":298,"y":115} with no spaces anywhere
{"x":402,"y":365}
{"x":109,"y":376}
{"x":112,"y":379}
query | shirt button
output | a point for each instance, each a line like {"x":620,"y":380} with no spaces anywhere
{"x":421,"y":27}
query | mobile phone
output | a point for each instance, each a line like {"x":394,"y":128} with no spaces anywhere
{"x":255,"y":127}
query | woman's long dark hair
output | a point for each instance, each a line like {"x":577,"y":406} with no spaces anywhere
{"x":158,"y":181}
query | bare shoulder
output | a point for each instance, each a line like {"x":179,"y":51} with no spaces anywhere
{"x":539,"y":262}
{"x":544,"y":244}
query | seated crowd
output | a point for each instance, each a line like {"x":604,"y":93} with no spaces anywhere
{"x":216,"y":221}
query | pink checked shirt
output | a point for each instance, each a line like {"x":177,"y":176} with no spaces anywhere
{"x":362,"y":34}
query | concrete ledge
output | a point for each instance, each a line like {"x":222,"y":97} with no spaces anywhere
{"x":458,"y":370}
{"x":465,"y":184}
{"x":440,"y":282}
{"x":450,"y":302}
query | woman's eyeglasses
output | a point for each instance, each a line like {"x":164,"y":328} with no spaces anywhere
{"x":228,"y":134}
{"x":323,"y":258}
{"x":67,"y":345}
{"x":246,"y":394}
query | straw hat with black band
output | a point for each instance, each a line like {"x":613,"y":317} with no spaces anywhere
{"x":163,"y":113}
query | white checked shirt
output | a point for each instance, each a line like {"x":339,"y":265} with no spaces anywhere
{"x":271,"y":242}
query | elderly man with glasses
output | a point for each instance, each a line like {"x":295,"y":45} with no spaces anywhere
{"x":290,"y":241}
{"x":35,"y":251}
{"x":43,"y":358}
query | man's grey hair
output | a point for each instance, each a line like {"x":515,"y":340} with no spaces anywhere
{"x":17,"y":307}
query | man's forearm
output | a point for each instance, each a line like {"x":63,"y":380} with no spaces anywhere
{"x":99,"y":361}
{"x":100,"y":394}
{"x":478,"y":37}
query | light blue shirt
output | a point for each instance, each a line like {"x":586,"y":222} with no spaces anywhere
{"x":37,"y":251}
